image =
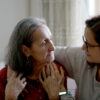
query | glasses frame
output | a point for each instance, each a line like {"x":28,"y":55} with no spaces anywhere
{"x":88,"y":44}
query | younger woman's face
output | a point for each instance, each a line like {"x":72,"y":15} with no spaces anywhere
{"x":91,"y":47}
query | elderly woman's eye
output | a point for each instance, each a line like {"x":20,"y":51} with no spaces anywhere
{"x":43,"y":43}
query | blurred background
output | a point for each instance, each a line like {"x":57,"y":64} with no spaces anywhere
{"x":65,"y":18}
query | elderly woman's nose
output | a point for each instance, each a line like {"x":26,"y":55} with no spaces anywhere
{"x":51,"y":46}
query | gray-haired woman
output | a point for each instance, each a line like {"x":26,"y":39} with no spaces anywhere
{"x":30,"y":72}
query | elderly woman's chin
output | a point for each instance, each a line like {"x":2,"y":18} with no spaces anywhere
{"x":50,"y":58}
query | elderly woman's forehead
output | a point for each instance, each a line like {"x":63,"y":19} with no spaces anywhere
{"x":42,"y":32}
{"x":44,"y":29}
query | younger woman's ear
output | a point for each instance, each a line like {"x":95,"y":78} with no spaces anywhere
{"x":25,"y":50}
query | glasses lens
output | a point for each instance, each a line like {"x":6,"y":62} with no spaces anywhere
{"x":88,"y":44}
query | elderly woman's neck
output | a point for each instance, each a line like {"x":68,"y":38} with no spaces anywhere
{"x":36,"y":71}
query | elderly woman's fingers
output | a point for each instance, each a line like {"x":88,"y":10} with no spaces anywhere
{"x":62,"y":71}
{"x":44,"y":73}
{"x":40,"y":78}
{"x":58,"y":72}
{"x":56,"y":69}
{"x":23,"y":80}
{"x":9,"y":72}
{"x":48,"y":70}
{"x":61,"y":77}
{"x":52,"y":69}
{"x":15,"y":84}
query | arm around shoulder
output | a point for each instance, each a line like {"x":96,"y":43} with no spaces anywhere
{"x":67,"y":57}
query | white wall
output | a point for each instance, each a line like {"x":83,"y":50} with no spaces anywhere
{"x":11,"y":11}
{"x":94,"y":7}
{"x":36,"y":8}
{"x":97,"y":7}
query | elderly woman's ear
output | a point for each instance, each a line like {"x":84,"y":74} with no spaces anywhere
{"x":25,"y":50}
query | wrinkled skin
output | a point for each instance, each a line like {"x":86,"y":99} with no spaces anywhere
{"x":15,"y":85}
{"x":52,"y":80}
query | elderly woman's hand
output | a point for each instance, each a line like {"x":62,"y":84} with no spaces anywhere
{"x":15,"y":85}
{"x":52,"y":80}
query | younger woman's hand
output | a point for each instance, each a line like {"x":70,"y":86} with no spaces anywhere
{"x":15,"y":85}
{"x":51,"y":79}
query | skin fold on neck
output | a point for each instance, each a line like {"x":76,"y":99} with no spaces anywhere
{"x":36,"y":72}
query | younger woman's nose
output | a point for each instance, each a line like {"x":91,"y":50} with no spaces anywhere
{"x":83,"y":47}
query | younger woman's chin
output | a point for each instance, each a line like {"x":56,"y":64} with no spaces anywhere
{"x":89,"y":60}
{"x":92,"y":61}
{"x":92,"y":64}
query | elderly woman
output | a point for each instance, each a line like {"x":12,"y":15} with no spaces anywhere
{"x":30,"y":73}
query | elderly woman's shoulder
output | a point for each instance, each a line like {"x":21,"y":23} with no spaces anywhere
{"x":3,"y":73}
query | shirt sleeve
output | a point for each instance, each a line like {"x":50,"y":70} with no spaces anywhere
{"x":70,"y":58}
{"x":2,"y":92}
{"x":2,"y":83}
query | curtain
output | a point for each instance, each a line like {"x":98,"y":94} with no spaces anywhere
{"x":65,"y":19}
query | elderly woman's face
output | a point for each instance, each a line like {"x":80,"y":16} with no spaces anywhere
{"x":42,"y":49}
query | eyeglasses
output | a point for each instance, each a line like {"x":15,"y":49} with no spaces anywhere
{"x":88,"y":44}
